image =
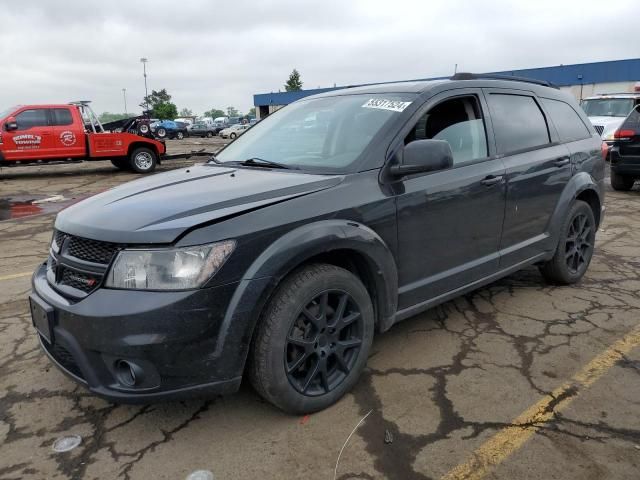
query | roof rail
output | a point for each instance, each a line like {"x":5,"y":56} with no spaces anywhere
{"x":80,"y":102}
{"x":490,"y":76}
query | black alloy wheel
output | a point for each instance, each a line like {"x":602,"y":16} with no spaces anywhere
{"x":575,"y":246}
{"x":313,"y":339}
{"x":323,"y":343}
{"x":578,"y":244}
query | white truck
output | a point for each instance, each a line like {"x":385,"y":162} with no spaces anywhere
{"x":607,"y":111}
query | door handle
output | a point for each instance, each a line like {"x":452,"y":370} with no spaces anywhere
{"x":491,"y":180}
{"x":561,"y":162}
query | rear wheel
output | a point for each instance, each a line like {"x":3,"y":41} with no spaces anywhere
{"x":180,"y":135}
{"x":313,"y":340}
{"x":621,"y":182}
{"x":120,"y":163}
{"x":161,"y":132}
{"x":575,"y":248}
{"x":209,"y":134}
{"x":232,"y":135}
{"x":143,"y":160}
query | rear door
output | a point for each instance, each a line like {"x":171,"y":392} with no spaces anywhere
{"x":33,"y":140}
{"x":450,"y":221}
{"x":537,"y":169}
{"x":68,"y":133}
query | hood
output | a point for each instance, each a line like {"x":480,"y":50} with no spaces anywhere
{"x":609,"y":124}
{"x":158,"y":208}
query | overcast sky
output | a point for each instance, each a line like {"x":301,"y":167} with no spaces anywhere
{"x":215,"y":54}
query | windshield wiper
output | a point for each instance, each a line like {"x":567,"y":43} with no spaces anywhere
{"x":261,"y":162}
{"x":213,"y":159}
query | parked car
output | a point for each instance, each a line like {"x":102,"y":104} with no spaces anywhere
{"x":170,"y":129}
{"x":234,"y":131}
{"x":607,"y":112}
{"x":280,"y":257}
{"x":625,"y":152}
{"x":202,"y":130}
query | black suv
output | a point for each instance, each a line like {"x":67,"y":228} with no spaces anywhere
{"x":279,"y":258}
{"x":625,"y":152}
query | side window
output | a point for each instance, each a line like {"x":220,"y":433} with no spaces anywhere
{"x":518,"y":122}
{"x":61,"y":116}
{"x":459,"y":122}
{"x":32,"y":118}
{"x":569,"y":125}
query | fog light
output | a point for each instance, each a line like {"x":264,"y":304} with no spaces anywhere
{"x":127,"y":373}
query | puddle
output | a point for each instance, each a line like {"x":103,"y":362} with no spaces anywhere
{"x":21,"y":206}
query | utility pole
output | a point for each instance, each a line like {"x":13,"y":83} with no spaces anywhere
{"x":455,"y":69}
{"x":124,"y":95}
{"x":144,"y":61}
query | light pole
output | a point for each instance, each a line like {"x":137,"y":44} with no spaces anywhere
{"x":124,"y":95}
{"x":144,"y":61}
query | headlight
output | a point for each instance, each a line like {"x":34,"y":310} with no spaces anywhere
{"x":168,"y":269}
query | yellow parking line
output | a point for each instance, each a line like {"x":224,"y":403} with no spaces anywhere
{"x":16,"y":275}
{"x":506,"y":442}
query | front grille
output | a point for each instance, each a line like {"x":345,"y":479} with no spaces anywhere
{"x":91,"y":250}
{"x":58,"y":238}
{"x":599,"y":129}
{"x":64,"y":358}
{"x":78,"y":280}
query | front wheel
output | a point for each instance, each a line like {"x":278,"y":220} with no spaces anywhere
{"x":575,"y":248}
{"x":161,"y":132}
{"x":313,"y":339}
{"x":233,"y":135}
{"x":143,"y":160}
{"x":209,"y":134}
{"x":179,"y":135}
{"x":622,"y":183}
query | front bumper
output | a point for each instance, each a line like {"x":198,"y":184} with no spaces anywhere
{"x":178,"y":344}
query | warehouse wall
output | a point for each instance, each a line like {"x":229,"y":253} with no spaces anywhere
{"x":591,"y":89}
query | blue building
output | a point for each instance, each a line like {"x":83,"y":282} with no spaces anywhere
{"x":581,"y":80}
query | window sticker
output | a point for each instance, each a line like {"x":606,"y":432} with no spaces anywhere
{"x":382,"y":104}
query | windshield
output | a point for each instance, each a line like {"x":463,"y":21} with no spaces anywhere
{"x":4,"y":113}
{"x":323,"y":134}
{"x":607,"y":107}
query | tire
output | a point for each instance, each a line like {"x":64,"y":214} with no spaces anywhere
{"x":161,"y":132}
{"x":209,"y":134}
{"x":143,"y":129}
{"x":179,"y":135}
{"x":232,"y":135}
{"x":575,"y":248}
{"x":622,"y":183}
{"x":143,"y":160}
{"x":120,"y":163}
{"x":286,"y":337}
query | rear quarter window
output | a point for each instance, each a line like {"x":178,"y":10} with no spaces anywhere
{"x":568,"y":123}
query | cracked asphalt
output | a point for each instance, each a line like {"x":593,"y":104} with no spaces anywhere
{"x":516,"y":380}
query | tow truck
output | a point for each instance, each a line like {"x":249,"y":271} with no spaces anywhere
{"x":72,"y":132}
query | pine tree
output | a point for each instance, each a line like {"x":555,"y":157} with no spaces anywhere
{"x":294,"y":83}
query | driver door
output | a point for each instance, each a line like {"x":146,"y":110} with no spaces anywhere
{"x":450,"y":221}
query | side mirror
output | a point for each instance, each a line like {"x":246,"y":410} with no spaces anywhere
{"x":11,"y":124}
{"x":422,"y":156}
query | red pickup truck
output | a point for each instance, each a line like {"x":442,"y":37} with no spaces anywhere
{"x":30,"y":133}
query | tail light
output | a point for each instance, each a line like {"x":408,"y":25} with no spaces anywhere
{"x":0,"y":138}
{"x":604,"y":149}
{"x":625,"y":134}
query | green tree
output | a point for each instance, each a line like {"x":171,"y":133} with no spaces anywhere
{"x":165,"y":111}
{"x":252,"y":112}
{"x":232,"y":112}
{"x":294,"y":83}
{"x":214,"y":113}
{"x":160,"y":102}
{"x":186,"y":112}
{"x":106,"y":117}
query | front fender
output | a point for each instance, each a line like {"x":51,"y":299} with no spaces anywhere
{"x":575,"y":186}
{"x":307,"y":241}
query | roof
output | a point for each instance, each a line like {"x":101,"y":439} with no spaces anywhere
{"x":560,"y":75}
{"x":613,"y":95}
